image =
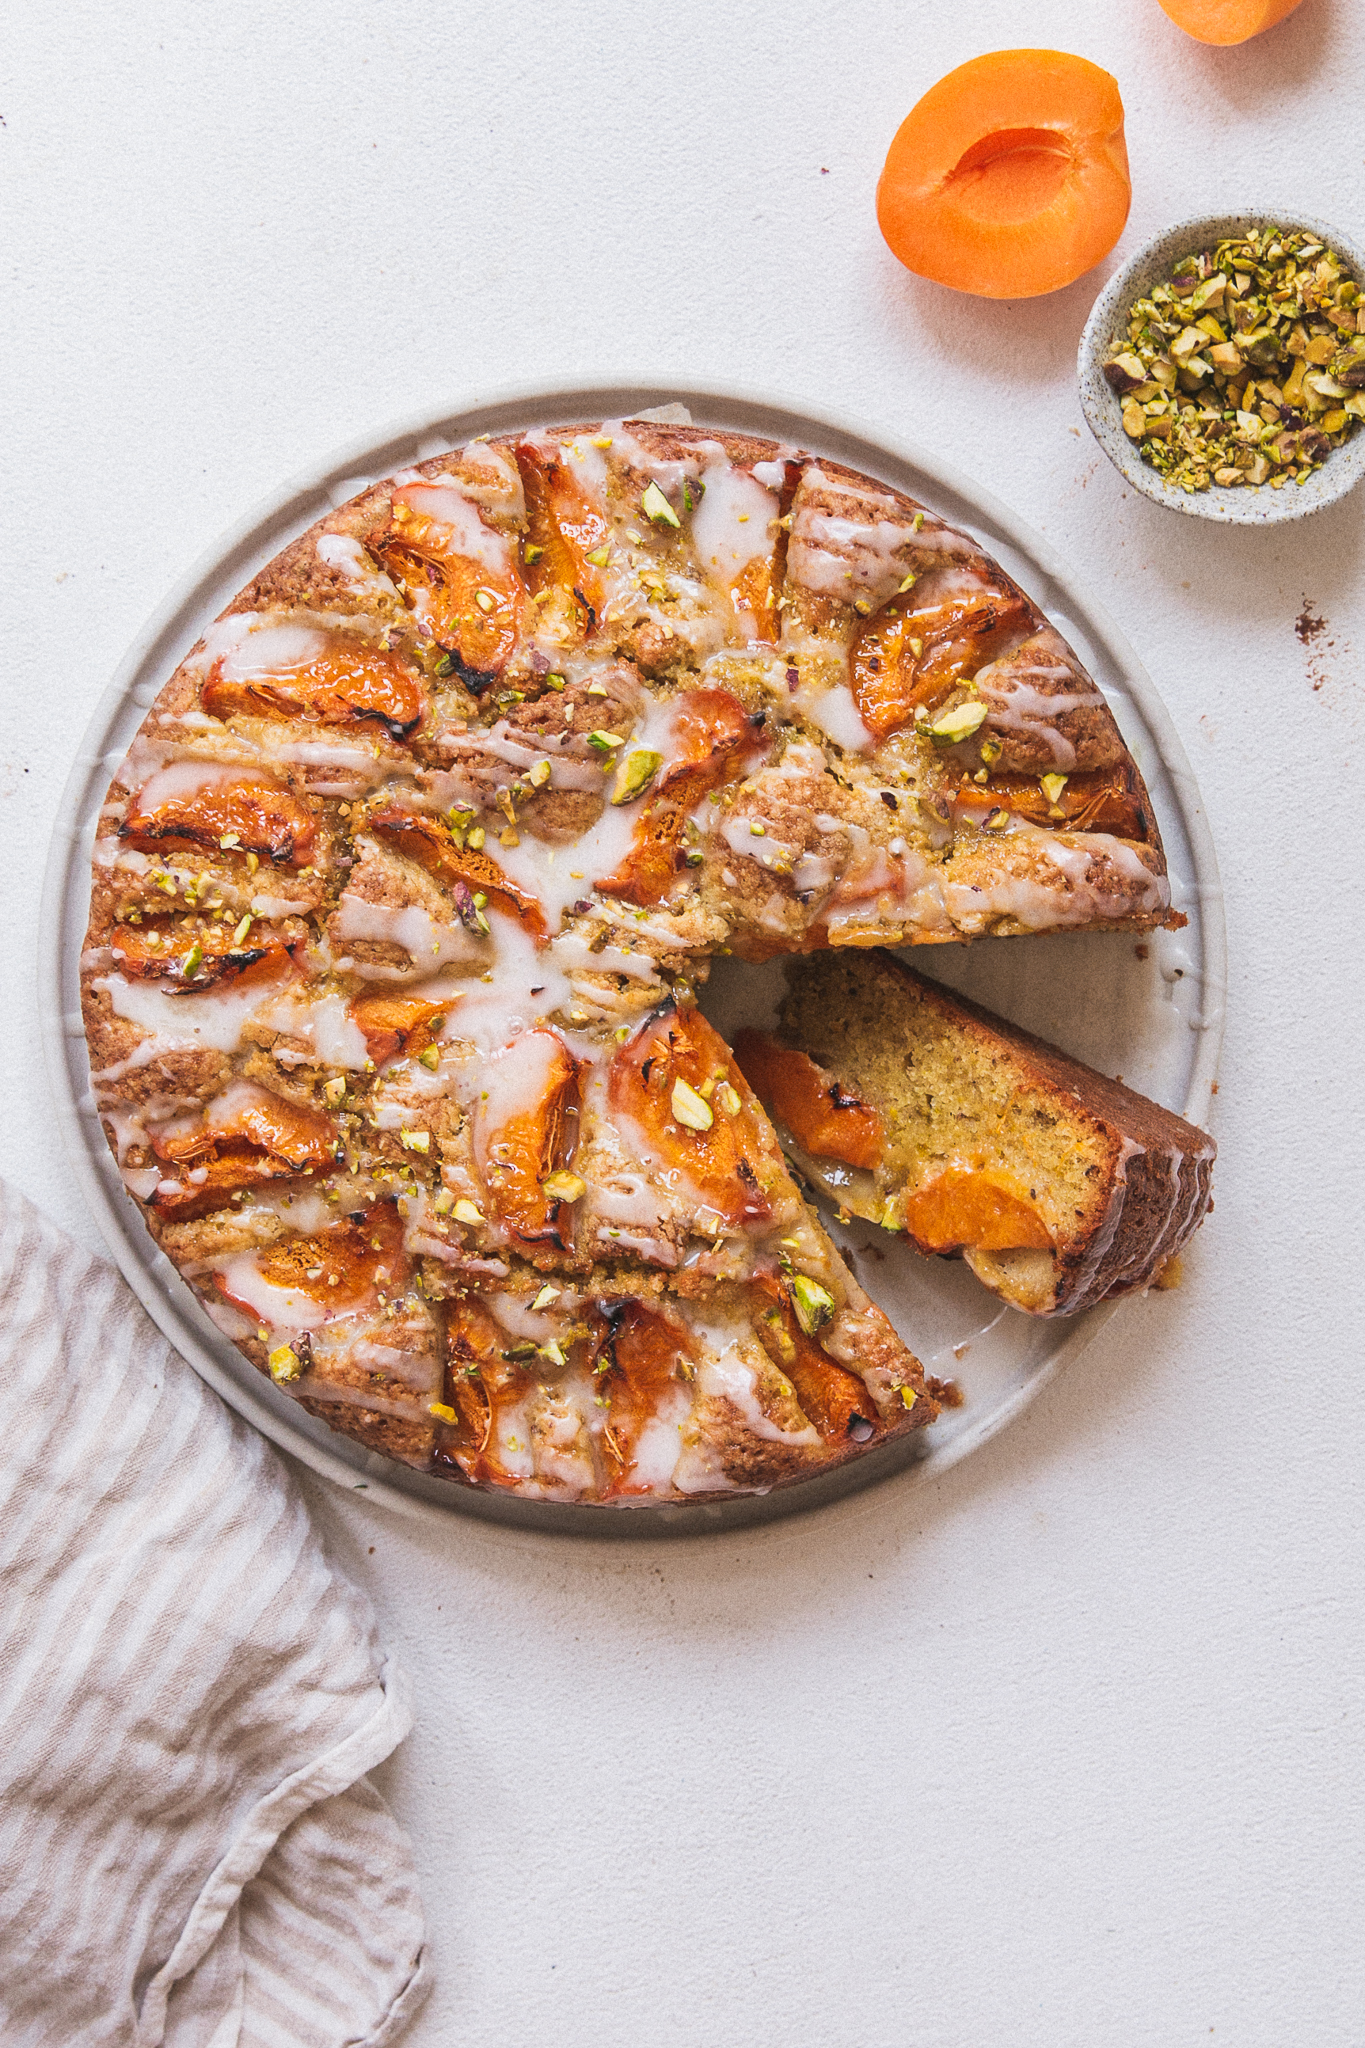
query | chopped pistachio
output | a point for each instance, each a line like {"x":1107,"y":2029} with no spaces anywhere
{"x":415,"y":1141}
{"x":727,"y":1099}
{"x":957,"y":724}
{"x":635,"y":774}
{"x":476,"y":838}
{"x":655,"y":506}
{"x":554,"y":681}
{"x":430,"y":1058}
{"x":1236,"y":339}
{"x":546,"y":1295}
{"x":689,"y":1108}
{"x":605,"y":742}
{"x":908,"y":1396}
{"x":1052,"y":787}
{"x":485,"y":600}
{"x":563,"y":1187}
{"x":285,"y":1364}
{"x":443,"y":1202}
{"x":243,"y":927}
{"x":599,"y":557}
{"x":467,"y":1212}
{"x":813,"y":1303}
{"x":442,"y":1410}
{"x":552,"y":1353}
{"x":333,"y":1091}
{"x":539,"y":774}
{"x":531,"y":553}
{"x":192,"y":961}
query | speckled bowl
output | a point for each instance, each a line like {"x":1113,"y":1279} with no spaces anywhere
{"x":1239,"y":505}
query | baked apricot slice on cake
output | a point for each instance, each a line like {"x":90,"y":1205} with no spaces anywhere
{"x":1010,"y":177}
{"x":1058,"y":1186}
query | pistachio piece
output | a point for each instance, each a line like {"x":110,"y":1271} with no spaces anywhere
{"x":814,"y":1304}
{"x":285,"y":1364}
{"x":333,"y":1091}
{"x":546,"y":1295}
{"x":689,"y":1108}
{"x":605,"y":742}
{"x":415,"y":1141}
{"x":957,"y":724}
{"x":1124,"y":373}
{"x":599,"y":557}
{"x":635,"y":774}
{"x":442,"y":1410}
{"x":467,"y":1212}
{"x":539,"y":774}
{"x":655,"y":506}
{"x":563,"y":1186}
{"x":1052,"y":787}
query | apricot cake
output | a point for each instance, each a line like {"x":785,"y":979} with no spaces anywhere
{"x":918,"y":1110}
{"x":403,"y":892}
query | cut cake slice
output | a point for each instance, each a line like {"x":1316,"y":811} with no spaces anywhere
{"x":916,"y":1109}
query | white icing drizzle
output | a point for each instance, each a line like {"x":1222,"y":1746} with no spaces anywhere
{"x":216,"y":1018}
{"x":341,"y":552}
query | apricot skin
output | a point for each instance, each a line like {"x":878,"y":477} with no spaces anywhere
{"x":1010,"y":177}
{"x":1224,"y":22}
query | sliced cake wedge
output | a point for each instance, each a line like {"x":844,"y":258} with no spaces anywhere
{"x":918,"y":1110}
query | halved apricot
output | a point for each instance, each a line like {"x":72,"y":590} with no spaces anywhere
{"x":196,"y":954}
{"x":393,"y":1024}
{"x":247,"y":1138}
{"x":659,"y":1076}
{"x":563,"y":528}
{"x":920,"y":646}
{"x":975,"y":1206}
{"x":713,"y":737}
{"x":480,"y":1382}
{"x":252,"y":1115}
{"x":522,"y":1134}
{"x":1227,"y":21}
{"x":250,"y":815}
{"x":347,"y":684}
{"x":642,"y":1356}
{"x":1098,"y":800}
{"x":835,"y":1399}
{"x":428,"y":842}
{"x":827,"y":1120}
{"x":468,"y":607}
{"x":1010,"y":177}
{"x":344,"y":1266}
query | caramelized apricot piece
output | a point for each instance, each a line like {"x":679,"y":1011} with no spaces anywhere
{"x":162,"y":950}
{"x":249,"y":1115}
{"x":523,"y":1132}
{"x":563,"y":528}
{"x":835,"y":1399}
{"x":480,"y":1384}
{"x":216,"y":1181}
{"x":642,"y":1357}
{"x":345,"y":1266}
{"x":918,"y":648}
{"x":723,"y":1161}
{"x":713,"y":738}
{"x":826,"y":1120}
{"x":468,"y":606}
{"x":346,"y":685}
{"x":429,"y":843}
{"x":1227,"y":21}
{"x":393,"y":1024}
{"x":1099,"y":800}
{"x":205,"y":807}
{"x":975,"y":1206}
{"x":1010,"y":176}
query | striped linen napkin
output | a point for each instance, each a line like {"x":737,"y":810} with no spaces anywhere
{"x":190,"y":1696}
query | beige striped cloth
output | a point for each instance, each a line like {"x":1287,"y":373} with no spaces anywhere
{"x":190,"y":1697}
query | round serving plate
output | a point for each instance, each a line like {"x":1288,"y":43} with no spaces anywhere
{"x":1150,"y":1011}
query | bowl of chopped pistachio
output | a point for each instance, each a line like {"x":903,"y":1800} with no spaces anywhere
{"x":1223,"y":369}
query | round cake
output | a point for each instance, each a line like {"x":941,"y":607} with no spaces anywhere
{"x":404,"y":890}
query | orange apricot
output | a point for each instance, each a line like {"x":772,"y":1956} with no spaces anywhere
{"x":829,"y":1121}
{"x":1010,"y":177}
{"x":964,"y":1206}
{"x":1227,"y":21}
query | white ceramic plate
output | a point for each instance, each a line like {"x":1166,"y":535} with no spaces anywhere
{"x":1156,"y":1020}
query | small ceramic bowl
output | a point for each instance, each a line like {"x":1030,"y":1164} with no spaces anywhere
{"x":1238,"y":504}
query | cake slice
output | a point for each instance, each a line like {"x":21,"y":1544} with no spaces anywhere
{"x":918,"y":1110}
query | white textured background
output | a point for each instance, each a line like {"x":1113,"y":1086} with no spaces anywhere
{"x":1065,"y":1749}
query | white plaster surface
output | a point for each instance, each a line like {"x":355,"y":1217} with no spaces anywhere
{"x":1064,"y":1749}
